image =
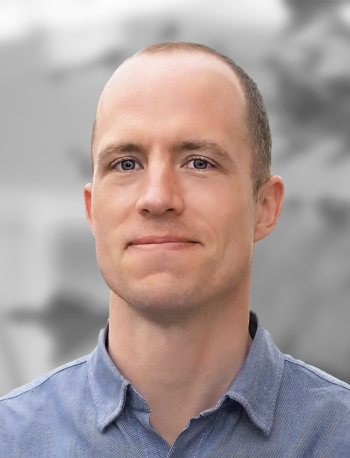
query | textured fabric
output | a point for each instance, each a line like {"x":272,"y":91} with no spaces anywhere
{"x":275,"y":407}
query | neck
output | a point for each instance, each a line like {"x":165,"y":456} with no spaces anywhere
{"x":183,"y":368}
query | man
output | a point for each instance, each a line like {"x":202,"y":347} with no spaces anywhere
{"x":181,"y":191}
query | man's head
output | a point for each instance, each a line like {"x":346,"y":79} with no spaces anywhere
{"x":173,"y":150}
{"x":256,"y":118}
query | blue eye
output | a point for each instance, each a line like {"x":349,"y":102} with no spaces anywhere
{"x":200,"y":163}
{"x":128,"y":164}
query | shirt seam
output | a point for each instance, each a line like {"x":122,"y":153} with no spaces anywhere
{"x":315,"y":373}
{"x":144,"y":442}
{"x":211,"y":425}
{"x":94,"y":391}
{"x":8,"y":397}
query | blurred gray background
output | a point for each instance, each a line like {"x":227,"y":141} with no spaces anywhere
{"x":55,"y":57}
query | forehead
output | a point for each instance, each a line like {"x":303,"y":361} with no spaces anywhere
{"x":162,"y":86}
{"x":173,"y":65}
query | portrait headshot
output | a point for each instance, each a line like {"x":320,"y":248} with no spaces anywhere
{"x":180,"y":193}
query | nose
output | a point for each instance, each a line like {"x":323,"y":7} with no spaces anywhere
{"x":160,"y":191}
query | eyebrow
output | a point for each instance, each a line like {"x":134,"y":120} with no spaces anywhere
{"x":192,"y":145}
{"x":206,"y":145}
{"x":112,"y":149}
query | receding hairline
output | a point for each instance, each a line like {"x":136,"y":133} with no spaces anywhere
{"x":165,"y":52}
{"x":254,"y":116}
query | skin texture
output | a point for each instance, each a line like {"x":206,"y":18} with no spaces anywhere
{"x":178,"y":318}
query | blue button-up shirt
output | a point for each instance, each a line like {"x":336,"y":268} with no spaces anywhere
{"x":275,"y":407}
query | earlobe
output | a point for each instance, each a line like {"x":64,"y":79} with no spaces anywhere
{"x":270,"y":200}
{"x":88,"y":207}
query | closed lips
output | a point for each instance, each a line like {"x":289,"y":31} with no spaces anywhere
{"x":155,"y":239}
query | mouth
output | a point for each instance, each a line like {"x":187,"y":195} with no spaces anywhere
{"x":163,"y":246}
{"x":156,"y":240}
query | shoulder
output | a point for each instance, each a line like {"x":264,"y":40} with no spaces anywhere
{"x":318,"y":397}
{"x":305,"y":376}
{"x":41,"y":395}
{"x":39,"y":416}
{"x":313,"y":408}
{"x":55,"y":376}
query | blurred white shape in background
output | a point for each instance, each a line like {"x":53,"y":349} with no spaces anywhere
{"x":345,"y":12}
{"x":269,"y":13}
{"x":79,"y":31}
{"x":16,"y":19}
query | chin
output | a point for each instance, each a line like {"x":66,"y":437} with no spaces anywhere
{"x":165,"y":306}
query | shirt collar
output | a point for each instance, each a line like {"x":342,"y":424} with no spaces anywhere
{"x":257,"y":384}
{"x":108,"y":386}
{"x":255,"y":387}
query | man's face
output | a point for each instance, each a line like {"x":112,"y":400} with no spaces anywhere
{"x":156,"y":116}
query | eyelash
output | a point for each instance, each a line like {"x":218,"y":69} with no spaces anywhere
{"x":131,"y":159}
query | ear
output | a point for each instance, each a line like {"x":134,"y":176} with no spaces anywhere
{"x":88,"y":209}
{"x":269,"y":205}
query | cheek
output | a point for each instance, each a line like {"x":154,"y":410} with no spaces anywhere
{"x":236,"y":225}
{"x":239,"y":249}
{"x":103,"y":220}
{"x":108,"y":203}
{"x":107,"y":218}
